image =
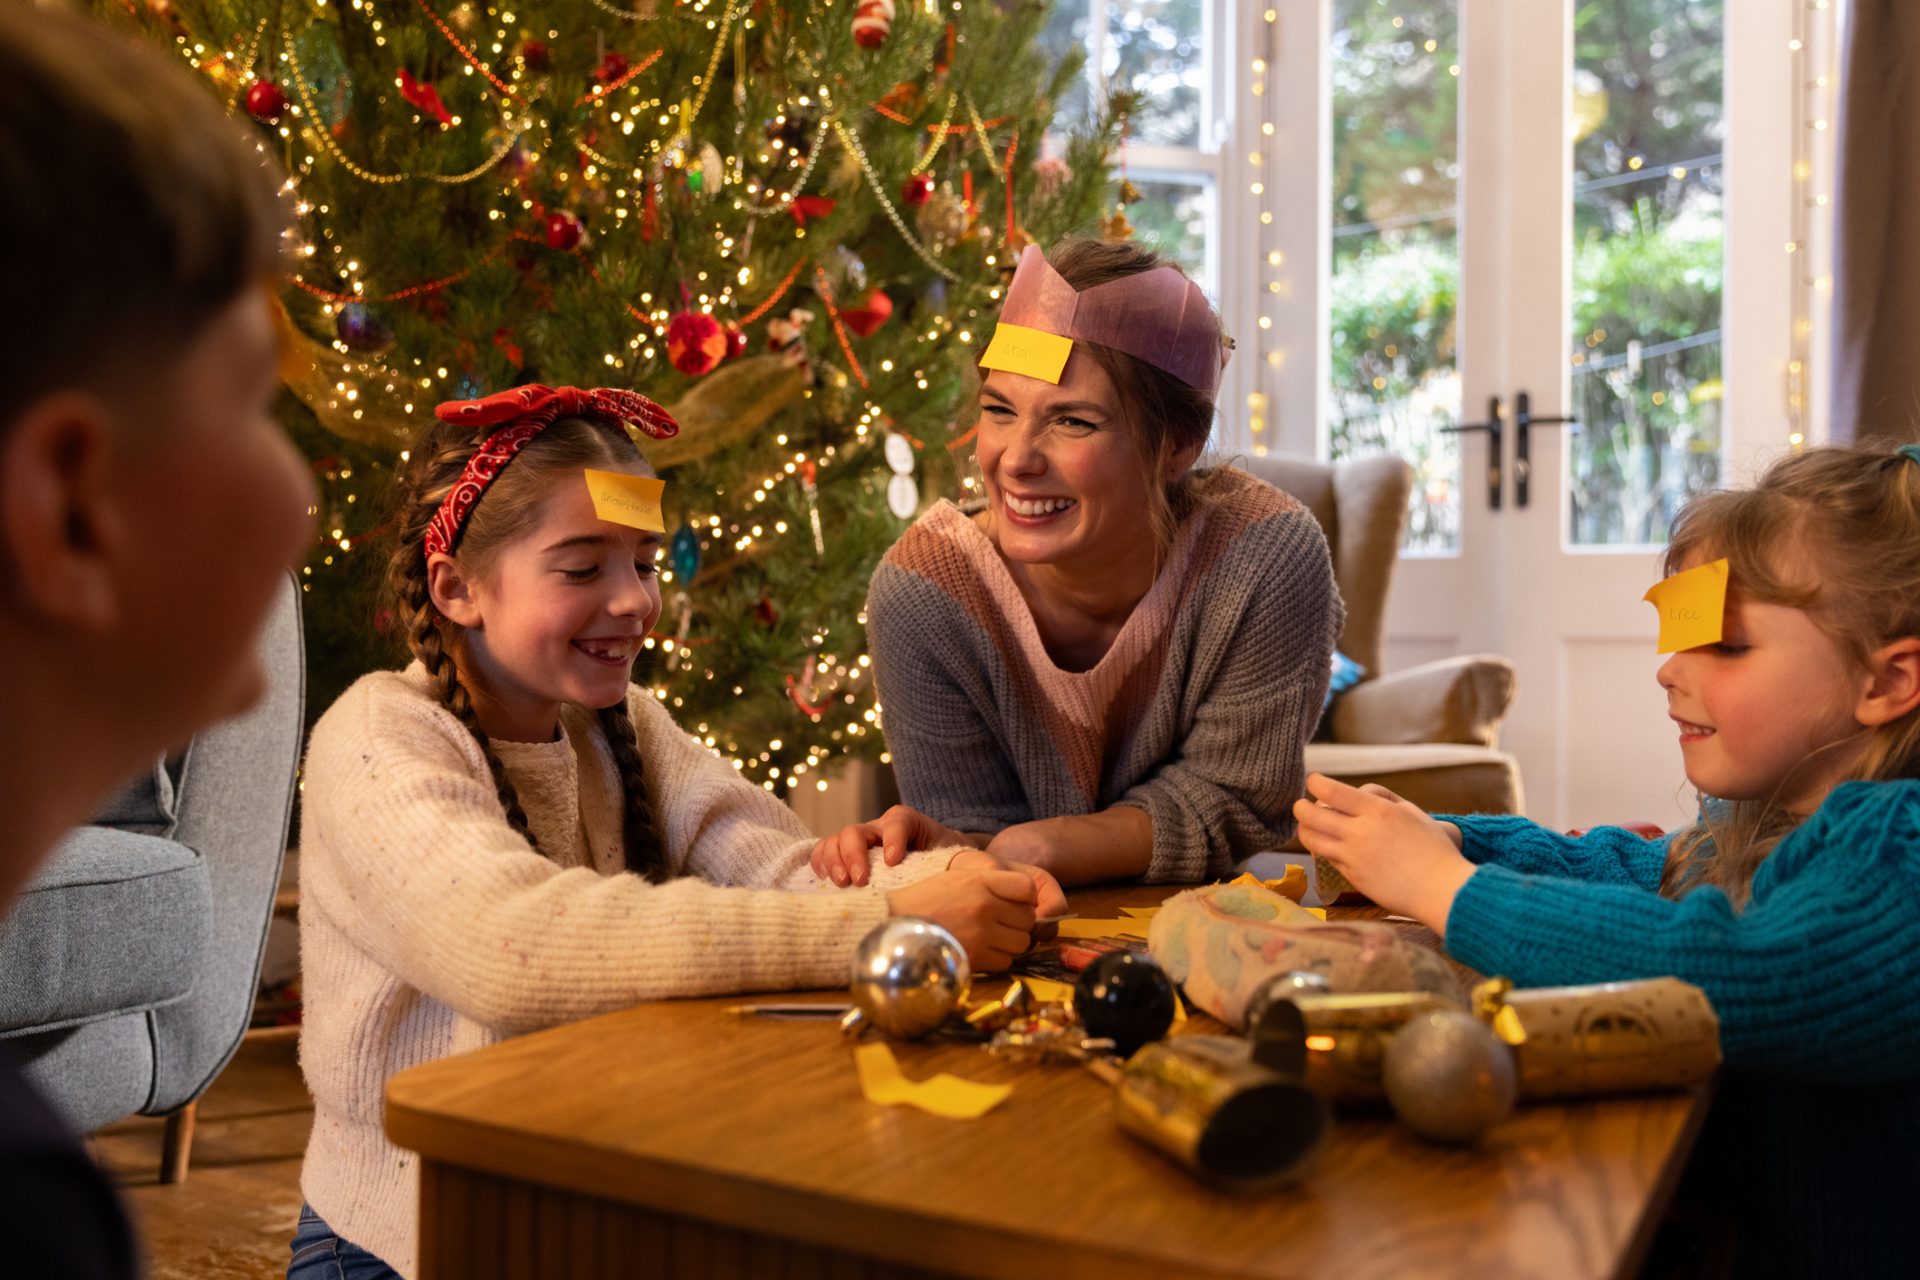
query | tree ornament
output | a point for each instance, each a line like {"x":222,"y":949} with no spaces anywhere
{"x":1050,"y":173}
{"x":1129,"y":193}
{"x":612,"y":66}
{"x":706,"y":174}
{"x":266,"y":101}
{"x":535,"y":56}
{"x":1125,"y":998}
{"x":736,"y":342}
{"x":463,"y":16}
{"x":872,"y":23}
{"x":1448,"y":1077}
{"x":683,"y":553}
{"x":916,"y":189}
{"x":424,"y":98}
{"x":909,"y":975}
{"x":846,"y":274}
{"x":1117,"y":227}
{"x":564,"y":231}
{"x":360,"y":330}
{"x":329,"y":81}
{"x":764,"y":613}
{"x":866,"y":316}
{"x":695,"y":343}
{"x":942,"y":220}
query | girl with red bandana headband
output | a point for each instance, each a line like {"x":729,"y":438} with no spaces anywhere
{"x":510,"y":834}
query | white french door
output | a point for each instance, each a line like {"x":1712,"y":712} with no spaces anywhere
{"x":1540,"y":549}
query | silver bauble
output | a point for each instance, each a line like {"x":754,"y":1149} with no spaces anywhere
{"x":1284,"y":986}
{"x":1448,"y":1077}
{"x":909,"y":976}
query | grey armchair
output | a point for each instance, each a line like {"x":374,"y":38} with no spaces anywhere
{"x":128,"y":966}
{"x":1429,"y":733}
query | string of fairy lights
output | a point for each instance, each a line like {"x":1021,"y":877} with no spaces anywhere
{"x":630,"y":111}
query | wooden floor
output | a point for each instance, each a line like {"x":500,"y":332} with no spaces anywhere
{"x":234,"y":1214}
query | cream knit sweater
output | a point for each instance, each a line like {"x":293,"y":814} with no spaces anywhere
{"x":429,"y":928}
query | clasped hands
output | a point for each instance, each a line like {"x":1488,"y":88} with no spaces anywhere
{"x":1390,"y":848}
{"x":988,"y":902}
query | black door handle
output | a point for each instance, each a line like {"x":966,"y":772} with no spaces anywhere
{"x":1495,"y":427}
{"x":1523,"y":422}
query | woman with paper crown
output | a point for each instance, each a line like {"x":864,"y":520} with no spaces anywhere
{"x":1107,"y":666}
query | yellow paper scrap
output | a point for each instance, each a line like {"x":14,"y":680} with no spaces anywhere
{"x":1034,"y":352}
{"x":1291,"y":884}
{"x":633,"y":501}
{"x":1692,"y":605}
{"x":1047,"y":991}
{"x":1125,"y":928}
{"x":1316,"y":911}
{"x":941,"y":1095}
{"x":1140,"y":913}
{"x":1179,"y":1009}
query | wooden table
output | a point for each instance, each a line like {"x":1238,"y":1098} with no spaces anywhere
{"x":677,"y":1140}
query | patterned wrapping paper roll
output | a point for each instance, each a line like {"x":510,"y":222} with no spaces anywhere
{"x":1615,"y":1037}
{"x":1222,"y":943}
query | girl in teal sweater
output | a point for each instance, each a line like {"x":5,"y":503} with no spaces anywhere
{"x":1792,"y":902}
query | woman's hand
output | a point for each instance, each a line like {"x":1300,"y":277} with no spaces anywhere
{"x":1390,"y":848}
{"x":843,"y":856}
{"x":1114,"y":844}
{"x":989,"y":906}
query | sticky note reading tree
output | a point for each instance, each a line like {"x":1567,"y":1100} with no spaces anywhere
{"x":633,"y":501}
{"x":1034,"y":352}
{"x":1692,"y":605}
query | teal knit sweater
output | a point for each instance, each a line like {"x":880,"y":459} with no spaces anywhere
{"x":1815,"y":1137}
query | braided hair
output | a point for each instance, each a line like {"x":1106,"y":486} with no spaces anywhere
{"x":428,"y":473}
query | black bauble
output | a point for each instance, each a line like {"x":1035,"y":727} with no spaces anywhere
{"x":1125,"y":998}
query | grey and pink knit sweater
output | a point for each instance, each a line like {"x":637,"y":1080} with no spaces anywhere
{"x":1198,"y":714}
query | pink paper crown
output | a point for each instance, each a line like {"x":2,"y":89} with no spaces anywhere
{"x":1159,"y":316}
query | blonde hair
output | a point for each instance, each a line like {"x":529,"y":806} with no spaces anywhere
{"x":1854,"y":512}
{"x":505,"y":511}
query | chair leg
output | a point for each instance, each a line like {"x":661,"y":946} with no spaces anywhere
{"x":177,"y":1145}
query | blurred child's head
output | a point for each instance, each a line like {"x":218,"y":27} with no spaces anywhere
{"x":149,"y":504}
{"x":1817,"y":677}
{"x":539,"y":604}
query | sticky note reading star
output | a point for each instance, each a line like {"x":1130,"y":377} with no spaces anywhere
{"x":633,"y":501}
{"x":1034,"y":352}
{"x":1692,"y":605}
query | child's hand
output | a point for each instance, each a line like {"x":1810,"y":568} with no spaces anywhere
{"x":989,"y":906}
{"x":1392,"y":851}
{"x":842,"y":857}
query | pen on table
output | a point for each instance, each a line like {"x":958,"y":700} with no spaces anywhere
{"x":797,"y":1011}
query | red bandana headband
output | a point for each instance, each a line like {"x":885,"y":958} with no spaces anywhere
{"x":527,"y":411}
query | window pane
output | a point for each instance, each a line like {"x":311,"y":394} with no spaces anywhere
{"x":1171,"y":217}
{"x":1649,"y":128}
{"x":1068,"y":27}
{"x":1396,"y":254}
{"x":1153,"y":48}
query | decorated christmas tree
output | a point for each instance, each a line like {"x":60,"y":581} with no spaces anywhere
{"x":789,"y":221}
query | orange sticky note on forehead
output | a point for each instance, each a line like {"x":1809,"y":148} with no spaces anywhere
{"x":1692,"y":605}
{"x":633,"y":501}
{"x":1034,"y":352}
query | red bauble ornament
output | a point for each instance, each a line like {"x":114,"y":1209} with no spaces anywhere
{"x":612,"y":67}
{"x":918,"y":190}
{"x":564,"y":231}
{"x":695,"y":343}
{"x":736,"y":342}
{"x":266,"y":101}
{"x":869,"y":314}
{"x":534,"y":54}
{"x":872,"y":23}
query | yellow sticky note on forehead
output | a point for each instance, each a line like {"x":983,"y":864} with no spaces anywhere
{"x":633,"y":501}
{"x":1692,"y":605}
{"x":1034,"y":352}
